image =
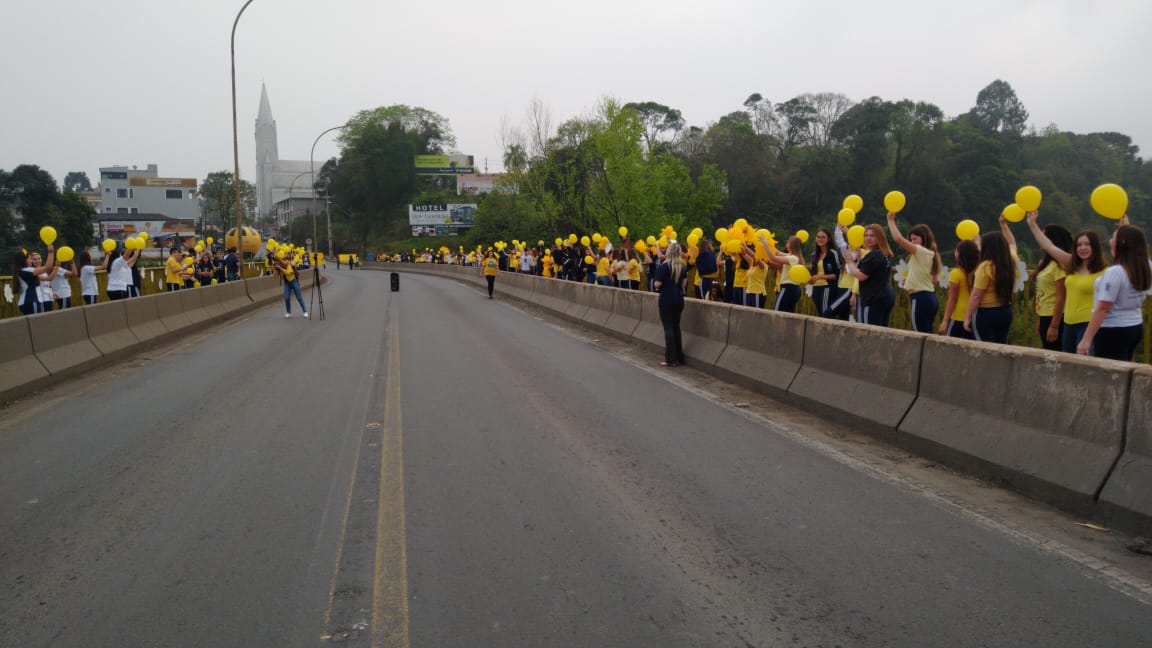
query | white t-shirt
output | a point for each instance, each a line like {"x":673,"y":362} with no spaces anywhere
{"x":60,"y":284}
{"x":525,"y":263}
{"x":88,"y":280}
{"x":119,"y":275}
{"x":1114,"y":286}
{"x":44,"y":290}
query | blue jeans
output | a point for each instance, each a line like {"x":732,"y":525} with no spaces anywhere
{"x":993,"y":324}
{"x":1073,"y":333}
{"x":291,"y":287}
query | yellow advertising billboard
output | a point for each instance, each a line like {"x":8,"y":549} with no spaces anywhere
{"x":444,"y":164}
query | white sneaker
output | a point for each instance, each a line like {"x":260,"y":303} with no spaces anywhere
{"x":287,"y":315}
{"x":307,"y":316}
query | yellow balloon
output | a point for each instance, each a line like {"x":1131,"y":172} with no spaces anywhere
{"x":588,"y":260}
{"x":856,"y":236}
{"x":585,"y":241}
{"x":132,"y":243}
{"x":1110,"y":201}
{"x":722,"y":235}
{"x":799,"y":274}
{"x":693,"y":239}
{"x":272,"y":244}
{"x":651,"y":240}
{"x":65,"y":254}
{"x":604,"y":243}
{"x":48,"y":234}
{"x":199,"y":247}
{"x":846,"y":217}
{"x":211,"y":240}
{"x":596,"y":237}
{"x":1013,"y":213}
{"x":894,"y":201}
{"x":143,"y":236}
{"x":697,"y":232}
{"x":572,"y":238}
{"x":854,"y":202}
{"x":740,"y":224}
{"x":108,"y":245}
{"x":732,"y":246}
{"x":641,"y":246}
{"x":967,"y":229}
{"x":1028,"y":198}
{"x":623,"y":231}
{"x":559,"y":241}
{"x":803,"y":235}
{"x":663,"y":241}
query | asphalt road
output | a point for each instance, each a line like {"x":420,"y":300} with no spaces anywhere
{"x":433,"y":468}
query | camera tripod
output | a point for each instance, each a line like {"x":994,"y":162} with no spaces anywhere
{"x":317,"y":291}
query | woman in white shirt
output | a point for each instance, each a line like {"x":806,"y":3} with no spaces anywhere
{"x":61,"y":288}
{"x":1117,"y":324}
{"x":88,"y":287}
{"x":120,"y":274}
{"x":923,"y":266}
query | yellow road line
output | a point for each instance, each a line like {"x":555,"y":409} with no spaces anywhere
{"x":390,"y":585}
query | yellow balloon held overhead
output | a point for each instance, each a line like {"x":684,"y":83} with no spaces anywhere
{"x":846,"y":217}
{"x":1013,"y":213}
{"x":48,"y":234}
{"x":802,"y":235}
{"x":108,"y":245}
{"x":799,"y":274}
{"x":1110,"y":201}
{"x":856,"y":236}
{"x":854,"y":202}
{"x":651,"y":240}
{"x":693,"y":239}
{"x":585,"y":241}
{"x":1028,"y":198}
{"x":588,"y":260}
{"x":596,"y":237}
{"x":143,"y":236}
{"x":559,"y":241}
{"x":641,"y":246}
{"x":210,"y":240}
{"x":967,"y":230}
{"x":894,"y":201}
{"x":740,"y":224}
{"x":623,"y":231}
{"x":722,"y":235}
{"x":732,"y":246}
{"x":65,"y":254}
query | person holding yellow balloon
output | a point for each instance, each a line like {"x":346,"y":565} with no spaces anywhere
{"x":756,"y":278}
{"x":789,"y":295}
{"x":26,"y":269}
{"x":1082,"y":267}
{"x":61,"y":288}
{"x":989,"y":312}
{"x":1049,"y":277}
{"x":1117,"y":324}
{"x":824,"y":267}
{"x":282,"y":264}
{"x":706,"y":268}
{"x":923,"y":266}
{"x":874,"y":271}
{"x":89,"y":291}
{"x":120,"y":283}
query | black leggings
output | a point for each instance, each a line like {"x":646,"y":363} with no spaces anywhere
{"x":1118,"y":342}
{"x":788,"y":297}
{"x":992,"y":324}
{"x":491,"y":283}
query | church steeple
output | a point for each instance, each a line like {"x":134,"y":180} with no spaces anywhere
{"x":265,"y":115}
{"x":267,"y":153}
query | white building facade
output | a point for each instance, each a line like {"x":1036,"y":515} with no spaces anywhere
{"x":125,"y":190}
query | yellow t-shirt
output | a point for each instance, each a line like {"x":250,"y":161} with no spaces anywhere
{"x":920,"y":270}
{"x":785,"y":275}
{"x":289,"y":272}
{"x":173,"y":271}
{"x":740,"y":279}
{"x":986,"y":280}
{"x":633,"y":270}
{"x":756,"y":277}
{"x":490,"y":267}
{"x":957,"y":276}
{"x":1078,"y":296}
{"x":602,"y":266}
{"x":1046,"y":288}
{"x":548,"y":263}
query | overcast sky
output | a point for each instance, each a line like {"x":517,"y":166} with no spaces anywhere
{"x":134,"y":82}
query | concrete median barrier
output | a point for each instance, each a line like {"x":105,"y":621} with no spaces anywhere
{"x":650,"y":330}
{"x":704,"y":331}
{"x":599,"y":306}
{"x":627,"y":309}
{"x":170,"y":307}
{"x":234,"y":297}
{"x":1022,"y":416}
{"x":764,"y":349}
{"x":144,"y":318}
{"x":60,"y":341}
{"x":1127,"y":495}
{"x":552,"y":294}
{"x":265,"y":289}
{"x":192,"y":305}
{"x":20,"y":370}
{"x":581,"y":295}
{"x":862,"y":375}
{"x":108,"y":327}
{"x":210,"y":300}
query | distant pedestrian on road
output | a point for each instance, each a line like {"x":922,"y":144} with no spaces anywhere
{"x":670,"y":282}
{"x":491,"y":266}
{"x":282,"y":265}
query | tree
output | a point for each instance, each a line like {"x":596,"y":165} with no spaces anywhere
{"x":73,"y":220}
{"x":77,"y":181}
{"x":998,"y":110}
{"x":218,"y":191}
{"x":657,"y":119}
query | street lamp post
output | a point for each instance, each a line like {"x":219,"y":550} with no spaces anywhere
{"x":312,"y":166}
{"x":236,"y":146}
{"x":291,"y":205}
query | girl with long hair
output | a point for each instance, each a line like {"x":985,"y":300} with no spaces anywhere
{"x":1083,"y":266}
{"x":1117,"y":323}
{"x":88,"y":287}
{"x":790,"y":291}
{"x":959,"y":290}
{"x":1050,"y":292}
{"x":825,"y":266}
{"x":490,"y":267}
{"x":875,"y":274}
{"x":26,"y":270}
{"x":989,"y":313}
{"x":923,"y":266}
{"x":706,"y":268}
{"x":756,"y":289}
{"x":120,"y":273}
{"x":670,"y":281}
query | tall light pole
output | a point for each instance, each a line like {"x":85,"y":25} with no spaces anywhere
{"x":236,"y":148}
{"x":312,"y":166}
{"x":291,"y":205}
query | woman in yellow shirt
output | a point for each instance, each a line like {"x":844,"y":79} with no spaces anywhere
{"x":1082,"y":266}
{"x":633,"y":270}
{"x":1050,"y":292}
{"x":923,"y":265}
{"x":960,"y":279}
{"x":603,"y":278}
{"x":789,"y":294}
{"x":756,"y":277}
{"x":490,"y":267}
{"x":549,"y":264}
{"x":989,"y":312}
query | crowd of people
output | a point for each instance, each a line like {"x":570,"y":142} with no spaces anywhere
{"x":41,"y":282}
{"x":1083,"y":304}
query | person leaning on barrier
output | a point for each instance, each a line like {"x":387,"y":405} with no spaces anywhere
{"x":232,"y":265}
{"x":1117,"y":324}
{"x":120,"y":274}
{"x":174,"y":270}
{"x":671,"y":279}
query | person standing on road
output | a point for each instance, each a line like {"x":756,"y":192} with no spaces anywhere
{"x":490,"y":267}
{"x":282,"y":265}
{"x":671,"y":277}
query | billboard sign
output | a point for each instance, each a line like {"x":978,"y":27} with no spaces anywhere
{"x":442,"y":219}
{"x":444,"y":164}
